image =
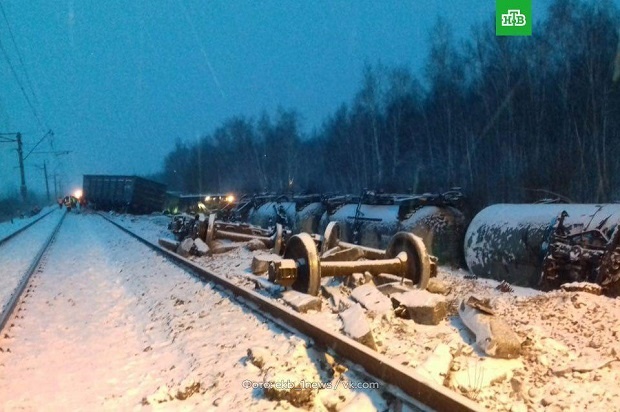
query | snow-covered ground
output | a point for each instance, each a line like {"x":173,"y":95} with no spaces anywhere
{"x":9,"y":227}
{"x":570,"y":340}
{"x":110,"y":325}
{"x":17,"y":253}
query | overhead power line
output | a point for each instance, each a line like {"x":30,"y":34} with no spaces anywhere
{"x":21,"y":87}
{"x":19,"y":55}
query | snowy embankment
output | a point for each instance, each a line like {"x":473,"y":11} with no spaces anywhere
{"x":9,"y":227}
{"x":111,"y":325}
{"x":570,"y":352}
{"x":17,"y":254}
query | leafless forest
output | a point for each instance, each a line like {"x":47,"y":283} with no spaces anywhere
{"x":508,"y":119}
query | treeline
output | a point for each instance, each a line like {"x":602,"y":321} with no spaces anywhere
{"x":508,"y":119}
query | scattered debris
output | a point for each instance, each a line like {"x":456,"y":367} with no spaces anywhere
{"x":355,"y":326}
{"x":187,"y":388}
{"x":389,"y":289}
{"x":301,"y":302}
{"x":185,"y":247}
{"x":587,"y":287}
{"x":260,"y":262}
{"x":255,"y":244}
{"x":423,"y":307}
{"x":201,"y":247}
{"x":338,"y":300}
{"x":217,"y":247}
{"x":260,"y":357}
{"x":287,"y":386}
{"x":585,"y":364}
{"x":372,"y":299}
{"x":437,"y":286}
{"x":504,"y":287}
{"x":493,"y":335}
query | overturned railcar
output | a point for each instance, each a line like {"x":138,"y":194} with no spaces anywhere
{"x":545,"y":245}
{"x":297,"y":213}
{"x":371,"y":220}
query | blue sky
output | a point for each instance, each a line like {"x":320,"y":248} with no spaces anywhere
{"x":119,"y":81}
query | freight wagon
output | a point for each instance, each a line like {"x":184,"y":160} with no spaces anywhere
{"x":131,"y":194}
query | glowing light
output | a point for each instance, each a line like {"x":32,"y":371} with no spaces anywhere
{"x":207,"y":198}
{"x":230,"y":198}
{"x":77,"y":194}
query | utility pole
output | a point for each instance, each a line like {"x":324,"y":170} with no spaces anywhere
{"x":55,"y":187}
{"x":47,"y":186}
{"x":20,"y":153}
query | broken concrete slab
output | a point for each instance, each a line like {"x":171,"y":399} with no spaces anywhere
{"x":372,"y":299}
{"x":493,"y":335}
{"x":185,"y":247}
{"x":169,"y":244}
{"x":302,"y":302}
{"x":355,"y":326}
{"x":339,"y":301}
{"x":201,"y":247}
{"x":393,"y":288}
{"x":423,"y":307}
{"x":260,"y":262}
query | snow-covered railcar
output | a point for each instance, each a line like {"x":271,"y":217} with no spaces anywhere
{"x":372,"y":219}
{"x":298,"y":213}
{"x":545,"y":245}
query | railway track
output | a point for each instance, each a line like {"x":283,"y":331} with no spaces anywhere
{"x":409,"y":386}
{"x":17,"y":274}
{"x":23,"y":228}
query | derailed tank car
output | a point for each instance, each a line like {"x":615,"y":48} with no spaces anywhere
{"x":301,"y":213}
{"x":131,"y":194}
{"x":372,"y":219}
{"x":545,"y":245}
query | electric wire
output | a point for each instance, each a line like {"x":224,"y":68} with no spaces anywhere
{"x":19,"y":83}
{"x":19,"y":55}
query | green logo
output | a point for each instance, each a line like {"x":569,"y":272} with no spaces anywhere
{"x":513,"y":17}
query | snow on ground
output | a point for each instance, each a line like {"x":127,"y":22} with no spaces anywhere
{"x":9,"y":227}
{"x":570,"y":352}
{"x":111,"y":325}
{"x":16,"y":254}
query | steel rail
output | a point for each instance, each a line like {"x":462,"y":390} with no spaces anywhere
{"x":425,"y":395}
{"x":7,"y":311}
{"x":18,"y":231}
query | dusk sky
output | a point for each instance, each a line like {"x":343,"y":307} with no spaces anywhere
{"x":119,"y":81}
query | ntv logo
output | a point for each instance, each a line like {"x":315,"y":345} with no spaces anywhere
{"x":513,"y":17}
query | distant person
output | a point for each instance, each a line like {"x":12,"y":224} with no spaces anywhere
{"x":68,"y":203}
